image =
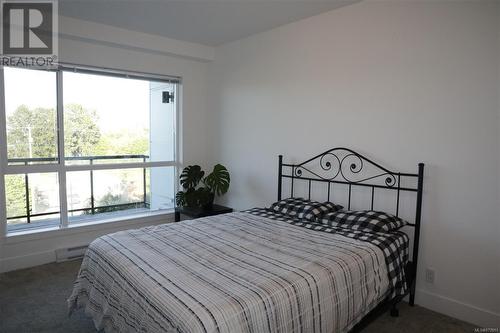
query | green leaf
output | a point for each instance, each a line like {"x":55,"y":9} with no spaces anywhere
{"x":191,"y":176}
{"x":180,"y":199}
{"x":218,"y":181}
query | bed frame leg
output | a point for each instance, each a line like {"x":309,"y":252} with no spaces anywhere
{"x":394,"y":310}
{"x":413,"y":287}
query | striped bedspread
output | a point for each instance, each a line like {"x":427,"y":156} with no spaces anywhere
{"x":231,"y":273}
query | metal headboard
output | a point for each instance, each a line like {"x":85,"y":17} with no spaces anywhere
{"x":345,"y":166}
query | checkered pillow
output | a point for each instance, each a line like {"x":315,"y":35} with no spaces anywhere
{"x":332,"y":207}
{"x":304,"y":209}
{"x":290,"y":206}
{"x":363,"y":220}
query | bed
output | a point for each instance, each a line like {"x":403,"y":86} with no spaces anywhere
{"x":253,"y":271}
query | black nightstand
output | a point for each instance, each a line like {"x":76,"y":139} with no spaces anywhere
{"x":200,"y":212}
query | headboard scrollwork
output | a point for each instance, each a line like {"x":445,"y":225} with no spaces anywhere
{"x":345,"y":164}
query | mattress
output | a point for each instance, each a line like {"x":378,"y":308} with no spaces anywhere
{"x":239,"y":272}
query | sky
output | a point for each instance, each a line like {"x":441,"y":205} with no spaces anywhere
{"x":120,"y":103}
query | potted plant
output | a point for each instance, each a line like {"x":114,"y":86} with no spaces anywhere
{"x":194,"y":195}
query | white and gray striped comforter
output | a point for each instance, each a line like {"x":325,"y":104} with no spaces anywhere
{"x":229,"y":273}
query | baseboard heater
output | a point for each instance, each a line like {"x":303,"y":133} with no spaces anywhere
{"x":70,"y":253}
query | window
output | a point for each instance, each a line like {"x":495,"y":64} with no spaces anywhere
{"x":83,"y":145}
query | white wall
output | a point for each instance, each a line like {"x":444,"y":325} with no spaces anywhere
{"x":90,"y":44}
{"x":403,"y":82}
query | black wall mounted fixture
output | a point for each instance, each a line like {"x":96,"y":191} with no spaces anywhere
{"x":167,"y":96}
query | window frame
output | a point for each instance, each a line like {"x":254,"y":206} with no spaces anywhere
{"x":61,"y":168}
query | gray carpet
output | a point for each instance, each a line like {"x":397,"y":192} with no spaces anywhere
{"x":34,"y":300}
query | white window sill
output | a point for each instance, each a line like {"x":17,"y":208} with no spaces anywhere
{"x":136,"y":220}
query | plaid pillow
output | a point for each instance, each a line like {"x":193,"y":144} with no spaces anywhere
{"x":303,"y":208}
{"x":332,"y":207}
{"x":363,"y":220}
{"x":314,"y":210}
{"x":290,"y":206}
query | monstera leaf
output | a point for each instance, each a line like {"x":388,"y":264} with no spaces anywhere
{"x":218,"y":181}
{"x":180,"y":199}
{"x":191,"y":176}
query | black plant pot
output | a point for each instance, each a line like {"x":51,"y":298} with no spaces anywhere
{"x":210,"y":204}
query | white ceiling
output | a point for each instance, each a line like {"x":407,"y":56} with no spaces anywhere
{"x":209,"y":22}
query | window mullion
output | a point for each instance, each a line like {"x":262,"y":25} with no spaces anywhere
{"x":114,"y":166}
{"x":3,"y":158}
{"x":63,"y":199}
{"x":178,"y":152}
{"x":46,"y":168}
{"x":39,"y":168}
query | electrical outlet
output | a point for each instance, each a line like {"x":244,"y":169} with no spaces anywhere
{"x":429,"y":275}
